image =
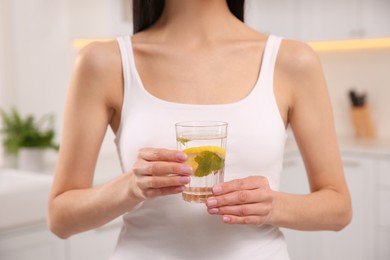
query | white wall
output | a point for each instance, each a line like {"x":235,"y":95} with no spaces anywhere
{"x":6,"y":92}
{"x":42,"y":51}
{"x":36,"y":53}
{"x":6,"y":51}
{"x":367,"y":71}
{"x":37,"y":56}
{"x":98,"y":18}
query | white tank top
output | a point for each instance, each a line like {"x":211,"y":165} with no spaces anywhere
{"x":169,"y":228}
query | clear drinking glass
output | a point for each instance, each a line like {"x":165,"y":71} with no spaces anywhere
{"x":205,"y":144}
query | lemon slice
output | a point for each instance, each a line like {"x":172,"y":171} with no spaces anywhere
{"x":205,"y":159}
{"x":199,"y":149}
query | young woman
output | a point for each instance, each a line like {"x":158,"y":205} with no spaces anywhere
{"x":197,"y":60}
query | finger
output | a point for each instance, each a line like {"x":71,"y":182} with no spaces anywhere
{"x":248,"y":220}
{"x":243,"y":210}
{"x":239,"y":198}
{"x":162,"y":168}
{"x":249,"y":183}
{"x":162,"y":182}
{"x":160,"y":154}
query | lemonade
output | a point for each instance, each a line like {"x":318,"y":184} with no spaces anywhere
{"x":206,"y":150}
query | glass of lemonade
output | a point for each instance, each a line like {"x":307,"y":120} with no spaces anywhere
{"x":205,"y":144}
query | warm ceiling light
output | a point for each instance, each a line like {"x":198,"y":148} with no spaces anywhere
{"x":356,"y":44}
{"x":81,"y":42}
{"x":341,"y":45}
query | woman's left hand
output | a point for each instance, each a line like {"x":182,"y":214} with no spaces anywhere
{"x":242,"y":201}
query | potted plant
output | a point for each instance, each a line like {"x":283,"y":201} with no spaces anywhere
{"x":26,"y":138}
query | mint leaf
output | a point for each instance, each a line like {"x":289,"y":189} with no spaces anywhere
{"x":183,"y":141}
{"x":208,"y":162}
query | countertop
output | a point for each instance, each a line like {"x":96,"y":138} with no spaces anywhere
{"x":351,"y":145}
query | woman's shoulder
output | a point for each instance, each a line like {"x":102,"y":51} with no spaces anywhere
{"x":99,"y":56}
{"x":297,"y":57}
{"x":299,"y":68}
{"x":98,"y":70}
{"x":100,"y":64}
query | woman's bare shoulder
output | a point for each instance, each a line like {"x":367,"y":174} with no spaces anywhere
{"x":98,"y":64}
{"x":297,"y":58}
{"x":98,"y":72}
{"x":97,"y":57}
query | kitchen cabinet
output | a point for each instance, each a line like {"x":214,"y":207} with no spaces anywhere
{"x":382,"y":199}
{"x":326,"y":20}
{"x":375,"y":18}
{"x":383,"y":248}
{"x":356,"y":241}
{"x":383,"y":182}
{"x":293,"y":178}
{"x":31,"y":242}
{"x":368,"y":235}
{"x":23,"y":229}
{"x":96,"y":244}
{"x":321,"y":19}
{"x":301,"y":245}
{"x":37,"y":242}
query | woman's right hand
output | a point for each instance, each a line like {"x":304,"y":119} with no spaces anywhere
{"x":159,"y":172}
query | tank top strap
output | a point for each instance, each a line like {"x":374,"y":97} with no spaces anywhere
{"x":269,"y":61}
{"x":126,"y":52}
{"x":128,"y":72}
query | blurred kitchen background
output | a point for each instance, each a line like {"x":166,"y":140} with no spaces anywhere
{"x":39,"y":40}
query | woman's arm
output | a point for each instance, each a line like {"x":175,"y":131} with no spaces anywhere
{"x":311,"y":119}
{"x":305,"y":104}
{"x":93,"y":103}
{"x":73,"y":205}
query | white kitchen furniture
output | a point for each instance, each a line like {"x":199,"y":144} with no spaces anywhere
{"x":35,"y":241}
{"x":320,"y":20}
{"x":96,"y":244}
{"x":23,"y":230}
{"x":382,"y":196}
{"x":367,"y":171}
{"x":32,"y":241}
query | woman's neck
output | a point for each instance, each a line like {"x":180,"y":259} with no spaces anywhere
{"x":195,"y":21}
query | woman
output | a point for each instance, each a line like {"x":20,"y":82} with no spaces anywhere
{"x":197,"y":60}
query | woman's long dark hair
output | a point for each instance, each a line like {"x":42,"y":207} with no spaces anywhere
{"x":146,"y":12}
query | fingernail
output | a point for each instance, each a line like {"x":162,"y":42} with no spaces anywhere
{"x":213,"y":211}
{"x":211,"y":202}
{"x":217,"y":190}
{"x":181,"y":156}
{"x":184,"y":179}
{"x":180,"y":188}
{"x":226,"y":219}
{"x":186,"y":169}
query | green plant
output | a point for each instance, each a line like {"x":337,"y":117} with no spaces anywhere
{"x":26,"y":131}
